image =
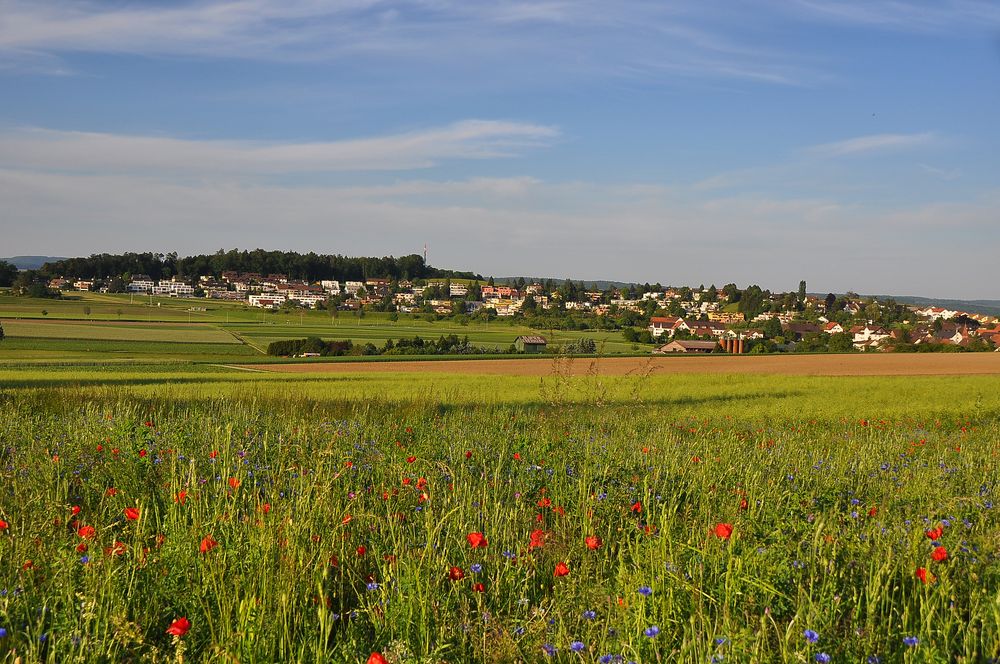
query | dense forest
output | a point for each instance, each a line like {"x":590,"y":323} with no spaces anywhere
{"x":310,"y":266}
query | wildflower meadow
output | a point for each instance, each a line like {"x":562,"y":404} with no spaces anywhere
{"x":243,"y":530}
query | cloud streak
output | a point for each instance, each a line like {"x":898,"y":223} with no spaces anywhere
{"x":873,"y":143}
{"x":88,"y":152}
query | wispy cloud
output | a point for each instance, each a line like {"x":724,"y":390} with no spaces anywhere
{"x":902,"y":15}
{"x":872,"y":143}
{"x":87,"y":152}
{"x":662,"y":39}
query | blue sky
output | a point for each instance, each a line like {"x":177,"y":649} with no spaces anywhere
{"x":851,"y":143}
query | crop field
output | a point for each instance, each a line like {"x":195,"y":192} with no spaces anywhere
{"x":154,"y":332}
{"x":161,"y":513}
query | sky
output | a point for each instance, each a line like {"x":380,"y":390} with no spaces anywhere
{"x":851,"y":143}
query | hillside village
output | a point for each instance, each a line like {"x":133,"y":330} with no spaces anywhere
{"x":672,"y":319}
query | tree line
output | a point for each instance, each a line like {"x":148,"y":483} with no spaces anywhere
{"x":309,"y":266}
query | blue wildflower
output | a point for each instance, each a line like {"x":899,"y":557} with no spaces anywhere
{"x":577,"y":646}
{"x":589,"y":614}
{"x":811,"y":636}
{"x":911,"y":640}
{"x":822,"y":658}
{"x":549,"y":649}
{"x":645,"y":591}
{"x":476,"y":568}
{"x":651,"y":631}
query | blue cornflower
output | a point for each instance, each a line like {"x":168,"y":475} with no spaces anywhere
{"x":716,"y":659}
{"x":651,"y":631}
{"x":549,"y":649}
{"x":372,"y":586}
{"x":811,"y":636}
{"x":606,"y":659}
{"x":3,"y":632}
{"x":509,"y":555}
{"x":518,"y":631}
{"x":577,"y":646}
{"x":476,"y":568}
{"x":873,"y":659}
{"x":84,"y":559}
{"x":589,"y":614}
{"x":822,"y":658}
{"x":645,"y":591}
{"x":721,"y":641}
{"x":911,"y":640}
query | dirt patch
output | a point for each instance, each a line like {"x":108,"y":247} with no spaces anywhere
{"x":908,"y":364}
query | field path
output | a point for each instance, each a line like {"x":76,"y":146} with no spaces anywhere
{"x":880,"y":364}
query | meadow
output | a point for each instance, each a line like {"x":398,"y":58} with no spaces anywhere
{"x":264,"y":517}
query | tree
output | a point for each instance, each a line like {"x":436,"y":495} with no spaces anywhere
{"x":772,"y":328}
{"x":842,"y":342}
{"x":829,"y":301}
{"x":802,"y":291}
{"x":7,"y":274}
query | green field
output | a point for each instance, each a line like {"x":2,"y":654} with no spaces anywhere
{"x":322,"y":517}
{"x":135,"y":327}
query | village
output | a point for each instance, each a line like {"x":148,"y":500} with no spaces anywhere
{"x":675,"y":319}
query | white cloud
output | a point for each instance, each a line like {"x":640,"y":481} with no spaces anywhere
{"x":102,"y":153}
{"x":872,"y":143}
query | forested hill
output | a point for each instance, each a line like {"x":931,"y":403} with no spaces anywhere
{"x":310,"y":266}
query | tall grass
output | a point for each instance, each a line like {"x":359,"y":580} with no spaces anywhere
{"x":339,"y":520}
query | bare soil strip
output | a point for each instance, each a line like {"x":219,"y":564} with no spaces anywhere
{"x":880,"y":364}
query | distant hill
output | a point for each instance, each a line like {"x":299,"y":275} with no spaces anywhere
{"x":597,"y":284}
{"x":31,"y":262}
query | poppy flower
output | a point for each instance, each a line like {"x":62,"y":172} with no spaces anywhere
{"x":181,"y":497}
{"x":935,"y":533}
{"x":478,"y":588}
{"x":117,"y":549}
{"x":411,"y":459}
{"x":132,"y":513}
{"x":939,"y":554}
{"x":562,"y":569}
{"x":75,"y":510}
{"x":477,"y":540}
{"x":593,"y":542}
{"x":924,"y":575}
{"x":179,"y":627}
{"x":4,"y":525}
{"x":873,"y":511}
{"x":361,"y":551}
{"x":213,"y":454}
{"x":207,"y":544}
{"x":377,"y":658}
{"x":723,"y":530}
{"x":744,"y":504}
{"x":234,"y":483}
{"x":636,"y":507}
{"x":544,"y":502}
{"x":86,"y":532}
{"x":456,"y":574}
{"x":537,"y":539}
{"x":468,"y":454}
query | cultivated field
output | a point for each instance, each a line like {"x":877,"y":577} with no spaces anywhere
{"x":180,"y":500}
{"x":873,"y":364}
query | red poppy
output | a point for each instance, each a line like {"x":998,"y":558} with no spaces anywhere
{"x":213,"y":454}
{"x":744,"y":504}
{"x":723,"y":530}
{"x":637,"y":507}
{"x":117,"y":549}
{"x":478,"y":588}
{"x":142,"y":454}
{"x":411,"y":459}
{"x":456,"y":574}
{"x":544,"y":502}
{"x":181,"y":497}
{"x":179,"y":627}
{"x":935,"y":533}
{"x":4,"y":525}
{"x":234,"y":483}
{"x":81,"y":547}
{"x":593,"y":542}
{"x":537,"y":539}
{"x":517,"y":456}
{"x":562,"y":569}
{"x":347,"y":519}
{"x":86,"y":532}
{"x":477,"y":540}
{"x":111,"y":492}
{"x":207,"y":544}
{"x":132,"y":513}
{"x":873,"y":511}
{"x":924,"y":575}
{"x":75,"y":510}
{"x":939,"y":554}
{"x":468,"y":454}
{"x":361,"y":551}
{"x":377,"y":658}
